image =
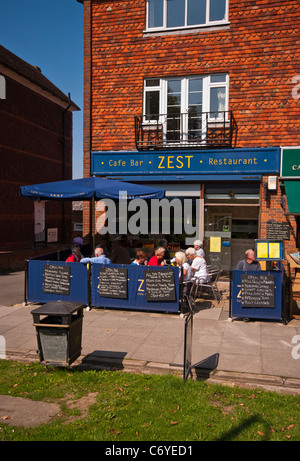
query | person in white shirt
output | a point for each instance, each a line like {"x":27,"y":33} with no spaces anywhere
{"x":198,"y":245}
{"x":199,"y":267}
{"x":181,"y":262}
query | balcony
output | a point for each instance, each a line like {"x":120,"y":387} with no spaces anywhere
{"x":205,"y":130}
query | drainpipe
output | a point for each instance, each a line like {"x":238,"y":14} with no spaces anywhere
{"x":64,"y":165}
{"x":64,"y":135}
{"x":92,"y":202}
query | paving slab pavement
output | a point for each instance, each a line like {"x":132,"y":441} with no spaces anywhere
{"x":12,"y":287}
{"x":232,"y":352}
{"x":264,"y":352}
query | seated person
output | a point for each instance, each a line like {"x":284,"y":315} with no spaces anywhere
{"x":181,"y":261}
{"x":157,"y":258}
{"x":141,"y":258}
{"x":76,"y":256}
{"x":199,"y":267}
{"x":249,"y":263}
{"x":164,"y":243}
{"x":120,"y":254}
{"x":198,"y":245}
{"x":78,"y":241}
{"x":98,"y":258}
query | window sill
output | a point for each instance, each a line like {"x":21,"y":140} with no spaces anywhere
{"x":187,"y":30}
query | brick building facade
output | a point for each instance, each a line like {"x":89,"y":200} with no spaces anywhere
{"x":36,"y":147}
{"x":158,"y":74}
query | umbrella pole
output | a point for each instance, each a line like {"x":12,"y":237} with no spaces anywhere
{"x":92,"y":223}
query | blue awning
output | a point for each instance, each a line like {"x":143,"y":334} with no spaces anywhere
{"x":87,"y":188}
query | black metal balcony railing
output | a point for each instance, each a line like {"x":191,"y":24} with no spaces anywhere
{"x":185,"y":130}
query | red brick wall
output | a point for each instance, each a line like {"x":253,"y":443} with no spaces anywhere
{"x":258,"y":50}
{"x":31,"y":149}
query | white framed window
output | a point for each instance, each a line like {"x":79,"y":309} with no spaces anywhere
{"x":184,"y":106}
{"x":179,"y":14}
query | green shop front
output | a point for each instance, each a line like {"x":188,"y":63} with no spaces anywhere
{"x":219,"y":190}
{"x":290,"y":181}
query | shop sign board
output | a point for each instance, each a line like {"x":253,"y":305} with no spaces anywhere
{"x":221,"y":161}
{"x":290,"y":162}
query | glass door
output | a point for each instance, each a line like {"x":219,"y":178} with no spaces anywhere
{"x":173,"y":124}
{"x":217,"y":236}
{"x":195,"y":129}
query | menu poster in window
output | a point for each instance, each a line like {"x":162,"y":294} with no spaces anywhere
{"x":56,"y":279}
{"x":269,"y":250}
{"x":160,"y":285}
{"x":278,"y":230}
{"x":258,"y":291}
{"x":112,"y":282}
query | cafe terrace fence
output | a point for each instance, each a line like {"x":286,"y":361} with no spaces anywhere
{"x":257,"y":294}
{"x":111,"y":286}
{"x":47,"y":281}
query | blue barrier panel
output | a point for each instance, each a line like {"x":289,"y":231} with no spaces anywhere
{"x":257,"y":294}
{"x":135,"y":287}
{"x":57,"y":280}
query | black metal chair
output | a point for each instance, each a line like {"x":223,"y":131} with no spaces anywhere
{"x":187,"y":296}
{"x":211,"y":285}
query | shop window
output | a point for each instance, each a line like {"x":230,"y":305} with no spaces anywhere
{"x":178,"y":14}
{"x":242,"y":193}
{"x":244,"y":229}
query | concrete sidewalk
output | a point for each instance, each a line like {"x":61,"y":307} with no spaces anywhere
{"x":255,"y":353}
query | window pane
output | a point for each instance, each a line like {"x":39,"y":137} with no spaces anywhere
{"x":195,"y":94}
{"x":173,"y":110}
{"x":217,"y":100}
{"x":152,"y":105}
{"x":195,"y":99}
{"x":195,"y":109}
{"x":174,"y":93}
{"x":175,"y":13}
{"x":152,"y":82}
{"x":196,"y":13}
{"x":155,"y":13}
{"x":218,"y":78}
{"x":174,"y":86}
{"x":195,"y":84}
{"x":217,"y":10}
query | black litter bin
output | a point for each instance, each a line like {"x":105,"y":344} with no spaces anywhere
{"x":59,"y":333}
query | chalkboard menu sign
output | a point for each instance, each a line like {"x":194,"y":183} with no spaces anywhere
{"x":258,"y":291}
{"x":56,"y":279}
{"x":160,"y":285}
{"x":112,"y":282}
{"x":278,"y":230}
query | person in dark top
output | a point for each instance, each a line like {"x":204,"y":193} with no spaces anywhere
{"x":164,"y":243}
{"x":120,"y":254}
{"x":249,"y":263}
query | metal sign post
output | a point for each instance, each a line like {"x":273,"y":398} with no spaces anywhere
{"x":188,"y":340}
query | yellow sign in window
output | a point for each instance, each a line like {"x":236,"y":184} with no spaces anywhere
{"x":215,"y":244}
{"x":262,"y":250}
{"x":274,"y":250}
{"x":269,"y":250}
